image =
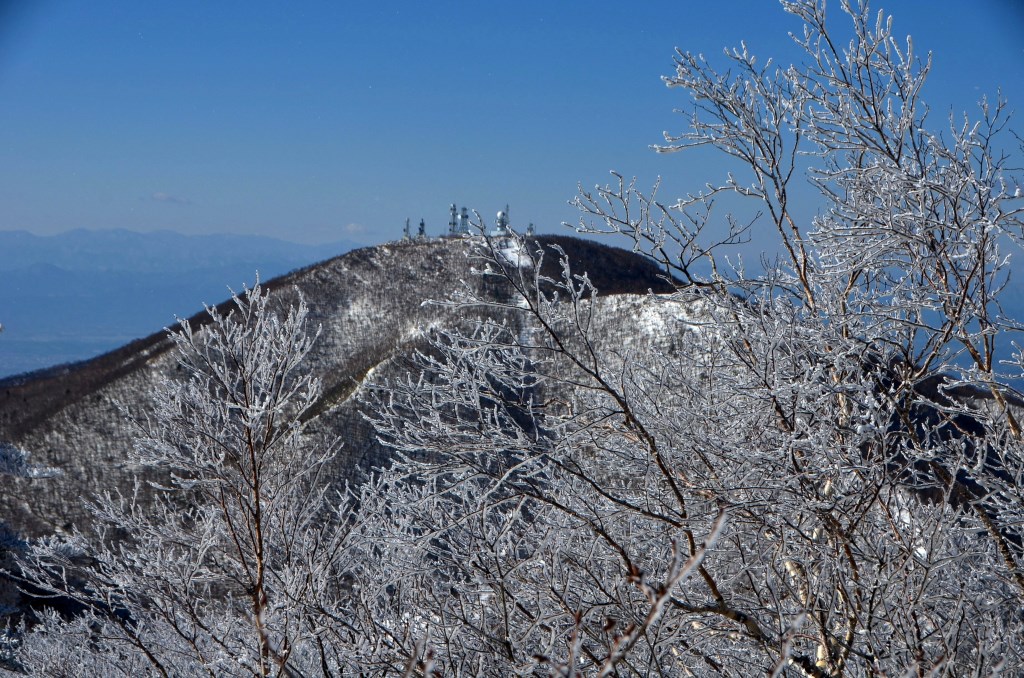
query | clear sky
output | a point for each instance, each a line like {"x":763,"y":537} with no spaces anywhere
{"x":317,"y":121}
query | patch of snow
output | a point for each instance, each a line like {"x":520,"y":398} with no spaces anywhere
{"x":514,"y":252}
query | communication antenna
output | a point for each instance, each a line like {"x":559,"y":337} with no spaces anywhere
{"x":453,"y":220}
{"x":407,"y":232}
{"x":423,"y":229}
{"x":501,"y":225}
{"x":529,"y":230}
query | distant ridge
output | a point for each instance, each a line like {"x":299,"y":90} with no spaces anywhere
{"x":68,"y":297}
{"x":153,"y":251}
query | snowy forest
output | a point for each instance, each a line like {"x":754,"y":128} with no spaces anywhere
{"x":812,"y":471}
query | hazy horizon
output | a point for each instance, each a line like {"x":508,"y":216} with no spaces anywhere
{"x":336,"y":121}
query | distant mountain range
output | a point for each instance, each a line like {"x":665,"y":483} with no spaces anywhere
{"x":75,"y":295}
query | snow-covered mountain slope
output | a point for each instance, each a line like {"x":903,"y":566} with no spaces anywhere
{"x":370,"y":306}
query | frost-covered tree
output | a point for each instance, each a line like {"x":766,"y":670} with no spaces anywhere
{"x":223,"y":567}
{"x":813,"y":472}
{"x":14,"y":462}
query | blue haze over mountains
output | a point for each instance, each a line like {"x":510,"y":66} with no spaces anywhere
{"x":78,"y":294}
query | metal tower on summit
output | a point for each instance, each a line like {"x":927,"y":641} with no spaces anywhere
{"x":459,"y":225}
{"x":458,"y":222}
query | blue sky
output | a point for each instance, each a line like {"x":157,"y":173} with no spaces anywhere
{"x":317,"y":121}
